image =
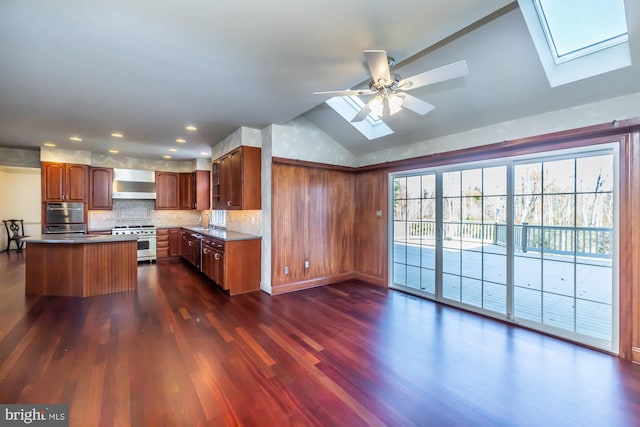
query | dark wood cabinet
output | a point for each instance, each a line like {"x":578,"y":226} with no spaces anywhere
{"x":237,"y":178}
{"x":213,"y":261}
{"x":187,"y":190}
{"x":233,"y":265}
{"x":167,"y":188}
{"x":215,"y":185}
{"x":183,"y":190}
{"x":64,"y":182}
{"x":190,"y":247}
{"x":174,"y":242}
{"x":100,"y":188}
{"x":202,"y":190}
{"x":167,"y":243}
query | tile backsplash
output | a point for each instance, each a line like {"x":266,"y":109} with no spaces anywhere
{"x":249,"y":222}
{"x":139,"y":212}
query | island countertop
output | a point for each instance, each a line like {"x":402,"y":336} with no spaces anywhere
{"x":220,"y":233}
{"x":72,"y":238}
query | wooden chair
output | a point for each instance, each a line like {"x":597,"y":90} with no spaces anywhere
{"x":15,"y":232}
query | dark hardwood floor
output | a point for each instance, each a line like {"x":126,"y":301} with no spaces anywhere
{"x":178,"y":352}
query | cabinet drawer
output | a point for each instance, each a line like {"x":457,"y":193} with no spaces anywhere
{"x":214,"y":243}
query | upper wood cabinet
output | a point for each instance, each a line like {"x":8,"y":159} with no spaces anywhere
{"x":187,"y":188}
{"x":64,"y":182}
{"x":167,"y":188}
{"x":237,"y":179}
{"x":100,"y":188}
{"x":202,"y":190}
{"x":183,"y":190}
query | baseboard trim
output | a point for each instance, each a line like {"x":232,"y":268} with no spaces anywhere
{"x":371,"y":279}
{"x":312,"y":283}
{"x":635,"y":354}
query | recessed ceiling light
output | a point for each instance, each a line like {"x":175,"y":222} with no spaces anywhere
{"x":173,"y":150}
{"x":204,"y":154}
{"x":191,"y":128}
{"x":181,"y":140}
{"x":166,"y":156}
{"x":75,"y":138}
{"x":113,"y":151}
{"x":117,"y":135}
{"x":49,"y":144}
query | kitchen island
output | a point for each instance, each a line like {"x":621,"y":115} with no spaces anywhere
{"x":80,"y":265}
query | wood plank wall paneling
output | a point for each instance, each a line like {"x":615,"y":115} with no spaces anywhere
{"x":630,"y":238}
{"x":313,"y":212}
{"x":371,"y":231}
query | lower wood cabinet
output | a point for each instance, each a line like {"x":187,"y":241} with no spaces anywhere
{"x":212,"y":263}
{"x":234,"y":265}
{"x":190,"y":247}
{"x":167,"y":243}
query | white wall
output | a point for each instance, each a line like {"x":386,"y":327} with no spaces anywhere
{"x":301,"y":140}
{"x":241,"y":136}
{"x":267,"y":146}
{"x":20,"y":197}
{"x":620,"y":108}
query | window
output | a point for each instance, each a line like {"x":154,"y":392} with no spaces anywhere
{"x":576,"y":27}
{"x":529,"y":240}
{"x":577,"y":39}
{"x":348,"y":106}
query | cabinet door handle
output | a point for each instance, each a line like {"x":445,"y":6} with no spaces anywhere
{"x":190,"y":243}
{"x":216,"y":257}
{"x":206,"y":251}
{"x":228,"y":202}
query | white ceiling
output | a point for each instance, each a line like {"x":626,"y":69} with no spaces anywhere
{"x":147,"y":68}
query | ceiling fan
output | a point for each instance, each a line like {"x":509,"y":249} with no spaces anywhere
{"x":390,"y":90}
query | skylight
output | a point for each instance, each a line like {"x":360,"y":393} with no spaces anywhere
{"x":348,"y":106}
{"x":577,"y":27}
{"x":577,"y":39}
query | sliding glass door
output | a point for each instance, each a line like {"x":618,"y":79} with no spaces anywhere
{"x":530,"y":240}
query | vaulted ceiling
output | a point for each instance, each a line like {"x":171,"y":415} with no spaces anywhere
{"x":147,"y":68}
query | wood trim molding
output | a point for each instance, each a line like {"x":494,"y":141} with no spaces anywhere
{"x":373,"y":280}
{"x":635,"y":355}
{"x":551,"y":141}
{"x":308,"y":164}
{"x":312,"y":283}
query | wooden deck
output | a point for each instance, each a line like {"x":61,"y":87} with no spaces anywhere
{"x":178,"y":352}
{"x":547,"y":290}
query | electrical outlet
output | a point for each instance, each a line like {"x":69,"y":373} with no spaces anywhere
{"x":286,"y":270}
{"x":306,"y":263}
{"x":379,"y":213}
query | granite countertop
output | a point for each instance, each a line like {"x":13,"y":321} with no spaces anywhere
{"x":220,"y":233}
{"x":78,"y":238}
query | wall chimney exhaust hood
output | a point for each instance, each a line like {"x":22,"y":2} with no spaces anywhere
{"x":134,"y":184}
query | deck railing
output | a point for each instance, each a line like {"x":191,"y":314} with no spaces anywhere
{"x":583,"y":241}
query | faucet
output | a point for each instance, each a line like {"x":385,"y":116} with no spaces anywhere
{"x":208,"y":218}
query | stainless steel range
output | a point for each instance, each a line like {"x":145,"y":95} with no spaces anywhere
{"x":146,"y":239}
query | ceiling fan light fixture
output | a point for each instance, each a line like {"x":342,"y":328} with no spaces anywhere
{"x":377,"y":105}
{"x":386,"y":104}
{"x":395,"y":103}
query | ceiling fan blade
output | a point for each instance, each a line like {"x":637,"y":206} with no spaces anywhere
{"x":448,"y":72}
{"x":416,"y":105}
{"x":362,"y":114}
{"x":378,"y":65}
{"x":352,"y":92}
